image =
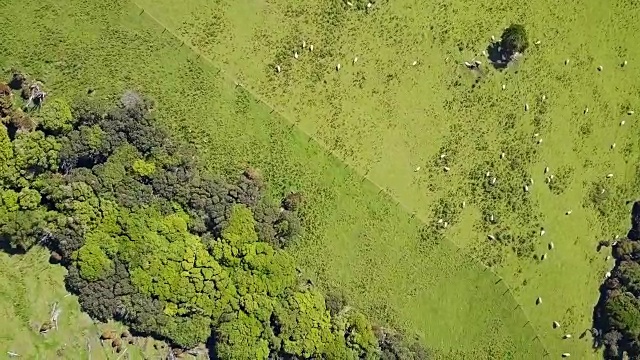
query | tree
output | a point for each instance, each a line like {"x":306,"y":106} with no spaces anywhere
{"x":55,"y":117}
{"x":514,"y":40}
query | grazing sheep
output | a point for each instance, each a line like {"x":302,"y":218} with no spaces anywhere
{"x":526,"y":107}
{"x":600,"y":68}
{"x":609,"y":176}
{"x":566,"y":62}
{"x":502,"y":155}
{"x":566,"y":355}
{"x":338,"y":67}
{"x":464,"y":204}
{"x":531,"y":181}
{"x":468,"y":65}
{"x":526,"y":188}
{"x":544,"y":256}
{"x":369,"y":5}
{"x":542,"y":232}
{"x":355,"y":60}
{"x":504,"y":86}
{"x":491,"y":237}
{"x":616,"y":237}
{"x":491,"y":218}
{"x":446,"y":169}
{"x":607,"y":275}
{"x":493,"y":181}
{"x":538,"y":42}
{"x":536,"y":135}
{"x":414,"y":63}
{"x":484,"y":52}
{"x":442,"y":156}
{"x":539,"y":141}
{"x":311,"y":47}
{"x":630,"y":112}
{"x":478,"y":63}
{"x":624,"y":63}
{"x":614,"y":243}
{"x":551,"y":246}
{"x":440,"y":221}
{"x":488,"y":173}
{"x":622,"y":123}
{"x":567,"y":336}
{"x":607,"y":258}
{"x":546,"y":169}
{"x":544,"y":97}
{"x":417,"y":169}
{"x":278,"y":68}
{"x":295,"y":54}
{"x":551,"y":177}
{"x":556,"y":324}
{"x":493,"y":38}
{"x":445,"y":225}
{"x":538,"y":301}
{"x":349,"y":3}
{"x":613,"y":146}
{"x":569,"y":212}
{"x":304,"y":44}
{"x":586,"y":110}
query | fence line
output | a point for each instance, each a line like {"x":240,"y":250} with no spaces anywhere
{"x":364,"y":176}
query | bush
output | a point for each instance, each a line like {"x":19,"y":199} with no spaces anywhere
{"x":514,"y":40}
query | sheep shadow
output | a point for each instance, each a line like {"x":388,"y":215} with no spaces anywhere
{"x":496,"y":57}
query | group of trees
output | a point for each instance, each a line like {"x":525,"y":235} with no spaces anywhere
{"x":617,"y":315}
{"x":152,"y":240}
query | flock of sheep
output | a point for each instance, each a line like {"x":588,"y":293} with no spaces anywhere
{"x":475,"y":64}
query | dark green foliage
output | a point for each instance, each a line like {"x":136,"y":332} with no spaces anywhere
{"x":617,"y":315}
{"x":152,"y":240}
{"x":514,"y":40}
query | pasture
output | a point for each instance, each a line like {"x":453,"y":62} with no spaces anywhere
{"x":352,"y":139}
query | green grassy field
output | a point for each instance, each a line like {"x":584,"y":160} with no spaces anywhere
{"x":381,"y":118}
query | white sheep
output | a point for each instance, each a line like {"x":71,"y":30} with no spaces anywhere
{"x":526,"y":107}
{"x":355,"y":60}
{"x":556,"y":324}
{"x":566,"y":62}
{"x":493,"y":180}
{"x":622,"y":123}
{"x":566,"y":355}
{"x":278,"y":68}
{"x":538,"y":301}
{"x":539,"y":141}
{"x":546,"y":169}
{"x":630,"y":112}
{"x":600,"y":68}
{"x":295,"y":54}
{"x":446,"y":169}
{"x":491,"y":237}
{"x":311,"y":47}
{"x":567,"y":336}
{"x":586,"y":110}
{"x":502,"y":155}
{"x":504,"y":86}
{"x":417,"y":169}
{"x":338,"y":67}
{"x":613,"y":146}
{"x":624,"y":63}
{"x":542,"y":232}
{"x":526,"y":188}
{"x":544,"y":256}
{"x":414,"y":63}
{"x":538,"y":42}
{"x":607,"y":275}
{"x":551,"y":246}
{"x":609,"y":176}
{"x":569,"y":212}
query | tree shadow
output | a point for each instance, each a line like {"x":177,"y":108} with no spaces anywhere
{"x":497,"y":58}
{"x":5,"y":246}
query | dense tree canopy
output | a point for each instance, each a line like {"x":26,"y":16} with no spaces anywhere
{"x":617,"y":315}
{"x":150,"y":239}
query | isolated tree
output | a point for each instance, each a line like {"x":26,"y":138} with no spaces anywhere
{"x":514,"y":40}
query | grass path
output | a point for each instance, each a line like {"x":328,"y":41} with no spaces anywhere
{"x":261,"y":99}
